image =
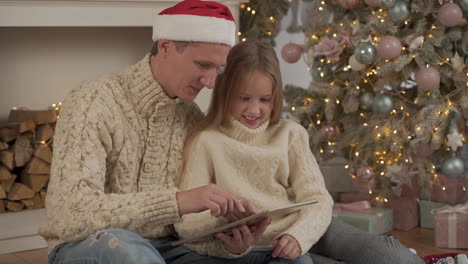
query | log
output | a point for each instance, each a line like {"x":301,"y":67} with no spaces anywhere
{"x":3,"y":145}
{"x":44,"y":153}
{"x":26,"y":126}
{"x":14,"y":206}
{"x":7,"y":158}
{"x":43,"y":195}
{"x":2,"y":207}
{"x":37,"y":201}
{"x":8,"y":134}
{"x":23,"y":148}
{"x":35,"y":181}
{"x":37,"y":166}
{"x":7,"y":184}
{"x":39,"y":117}
{"x":20,"y":192}
{"x":28,"y":202}
{"x":5,"y":173}
{"x":3,"y":194}
{"x":44,"y":133}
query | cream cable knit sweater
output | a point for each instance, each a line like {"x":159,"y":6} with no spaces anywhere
{"x":117,"y":154}
{"x":259,"y":165}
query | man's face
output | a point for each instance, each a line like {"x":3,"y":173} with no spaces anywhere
{"x":193,"y":68}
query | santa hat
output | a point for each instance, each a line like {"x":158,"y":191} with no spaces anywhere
{"x":195,"y":20}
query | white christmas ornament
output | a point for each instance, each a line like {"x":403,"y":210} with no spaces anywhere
{"x":393,"y":169}
{"x":416,"y":43}
{"x":355,"y":26}
{"x":457,"y":62}
{"x":454,"y":140}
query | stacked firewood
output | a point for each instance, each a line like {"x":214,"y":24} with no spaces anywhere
{"x":25,"y":158}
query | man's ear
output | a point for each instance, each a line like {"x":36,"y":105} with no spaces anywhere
{"x":164,"y":45}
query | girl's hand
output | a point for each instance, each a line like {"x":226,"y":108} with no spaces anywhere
{"x":286,"y":247}
{"x":242,"y":238}
{"x":241,"y":209}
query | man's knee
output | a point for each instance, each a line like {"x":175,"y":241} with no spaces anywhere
{"x":111,"y":246}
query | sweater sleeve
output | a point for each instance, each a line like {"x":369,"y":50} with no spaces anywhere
{"x":307,"y":182}
{"x":77,"y":202}
{"x":198,"y":171}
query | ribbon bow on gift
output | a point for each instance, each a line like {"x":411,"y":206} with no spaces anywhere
{"x":359,"y":206}
{"x":459,"y":208}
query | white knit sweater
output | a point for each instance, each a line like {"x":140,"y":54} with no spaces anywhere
{"x":260,"y":165}
{"x":117,"y":156}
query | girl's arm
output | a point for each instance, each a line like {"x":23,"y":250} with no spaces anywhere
{"x":307,"y":183}
{"x":198,"y":171}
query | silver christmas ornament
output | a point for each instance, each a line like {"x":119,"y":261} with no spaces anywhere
{"x":400,"y":10}
{"x":453,"y":167}
{"x":382,"y":103}
{"x":321,"y":72}
{"x":365,"y":101}
{"x":365,"y":53}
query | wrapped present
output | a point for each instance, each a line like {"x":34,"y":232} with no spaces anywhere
{"x":361,"y":215}
{"x":425,"y":208}
{"x":336,"y":176}
{"x":349,"y":197}
{"x":405,"y":212}
{"x":447,"y":190}
{"x":451,"y":226}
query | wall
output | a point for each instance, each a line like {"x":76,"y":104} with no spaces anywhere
{"x":38,"y":66}
{"x":296,"y":73}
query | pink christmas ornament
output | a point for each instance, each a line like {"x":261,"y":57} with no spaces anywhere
{"x":348,"y":4}
{"x":328,"y":132}
{"x":365,"y":172}
{"x":428,"y":79}
{"x":291,"y":52}
{"x":450,"y":15}
{"x":372,"y":3}
{"x":389,"y":47}
{"x":423,"y":151}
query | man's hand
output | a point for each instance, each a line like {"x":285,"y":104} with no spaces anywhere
{"x":208,"y":197}
{"x":286,"y":247}
{"x":243,"y":236}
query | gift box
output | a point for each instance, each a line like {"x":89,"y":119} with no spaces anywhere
{"x":405,"y":212}
{"x":336,"y":176}
{"x":447,"y":190}
{"x":373,"y":220}
{"x":425,"y":208}
{"x":451,"y":226}
{"x":349,"y":197}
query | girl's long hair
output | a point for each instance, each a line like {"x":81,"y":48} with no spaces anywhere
{"x":244,"y":58}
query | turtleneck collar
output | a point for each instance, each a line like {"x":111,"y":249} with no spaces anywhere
{"x":239,"y":131}
{"x":145,"y":91}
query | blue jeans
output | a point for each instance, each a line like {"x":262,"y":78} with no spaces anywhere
{"x":343,"y":243}
{"x":120,"y":246}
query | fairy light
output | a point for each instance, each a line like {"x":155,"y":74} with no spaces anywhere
{"x":365,"y":124}
{"x":293,"y":108}
{"x":239,"y":33}
{"x":253,"y":12}
{"x":356,"y":154}
{"x":244,"y":39}
{"x":248,"y":9}
{"x":347,"y":166}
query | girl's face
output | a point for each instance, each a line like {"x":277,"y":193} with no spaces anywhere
{"x":253,"y":103}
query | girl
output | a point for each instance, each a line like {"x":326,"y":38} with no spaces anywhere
{"x":244,"y":146}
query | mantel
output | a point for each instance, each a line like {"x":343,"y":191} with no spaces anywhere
{"x":87,"y":13}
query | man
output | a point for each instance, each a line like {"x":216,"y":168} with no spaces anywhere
{"x":112,"y":196}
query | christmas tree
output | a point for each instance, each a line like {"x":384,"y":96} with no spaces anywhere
{"x":389,"y":89}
